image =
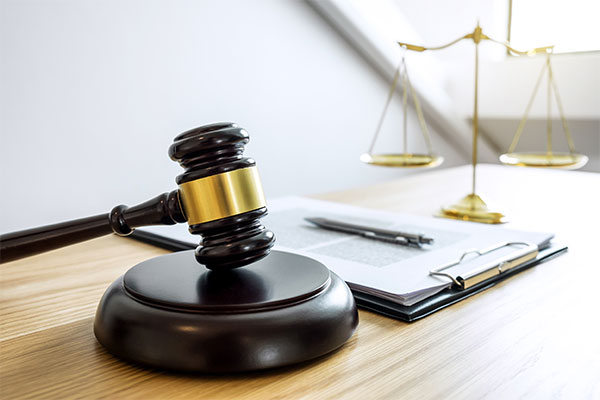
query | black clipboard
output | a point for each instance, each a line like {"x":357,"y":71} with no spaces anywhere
{"x":450,"y":295}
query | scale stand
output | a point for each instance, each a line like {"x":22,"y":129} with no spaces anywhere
{"x":472,"y":207}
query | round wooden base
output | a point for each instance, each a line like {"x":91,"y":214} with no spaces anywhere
{"x":171,"y":312}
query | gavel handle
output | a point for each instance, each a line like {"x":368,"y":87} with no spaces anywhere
{"x":165,"y":209}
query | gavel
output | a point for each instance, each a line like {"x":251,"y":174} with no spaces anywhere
{"x":197,"y":310}
{"x":220,"y":196}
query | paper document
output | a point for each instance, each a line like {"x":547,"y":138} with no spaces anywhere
{"x":391,"y":271}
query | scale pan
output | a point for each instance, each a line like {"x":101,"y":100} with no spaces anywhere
{"x":405,"y":160}
{"x":545,"y":160}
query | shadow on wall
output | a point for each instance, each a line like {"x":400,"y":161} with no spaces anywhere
{"x":585,"y":133}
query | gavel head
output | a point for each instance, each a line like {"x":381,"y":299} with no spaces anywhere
{"x":222,"y":196}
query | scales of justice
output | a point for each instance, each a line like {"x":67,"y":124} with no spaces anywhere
{"x":472,"y":207}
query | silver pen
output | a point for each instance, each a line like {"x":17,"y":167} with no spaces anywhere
{"x":386,"y":235}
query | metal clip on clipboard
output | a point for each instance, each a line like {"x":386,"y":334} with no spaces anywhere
{"x":490,"y":269}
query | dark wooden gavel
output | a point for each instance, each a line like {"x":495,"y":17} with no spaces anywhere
{"x":220,"y":196}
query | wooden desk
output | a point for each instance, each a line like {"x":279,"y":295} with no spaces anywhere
{"x":537,"y":334}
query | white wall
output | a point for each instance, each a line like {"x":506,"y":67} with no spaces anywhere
{"x":92,"y":93}
{"x":509,"y":84}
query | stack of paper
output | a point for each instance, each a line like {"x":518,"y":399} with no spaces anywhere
{"x":391,"y":271}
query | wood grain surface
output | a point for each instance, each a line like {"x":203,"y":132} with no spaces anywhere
{"x":534,"y":335}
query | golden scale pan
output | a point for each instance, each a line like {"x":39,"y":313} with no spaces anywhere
{"x":472,"y":207}
{"x":405,"y":159}
{"x":547,"y":159}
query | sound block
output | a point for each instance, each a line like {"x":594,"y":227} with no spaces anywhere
{"x":172,"y":313}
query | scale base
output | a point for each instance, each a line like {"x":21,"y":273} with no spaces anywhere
{"x":172,"y":313}
{"x":472,"y":208}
